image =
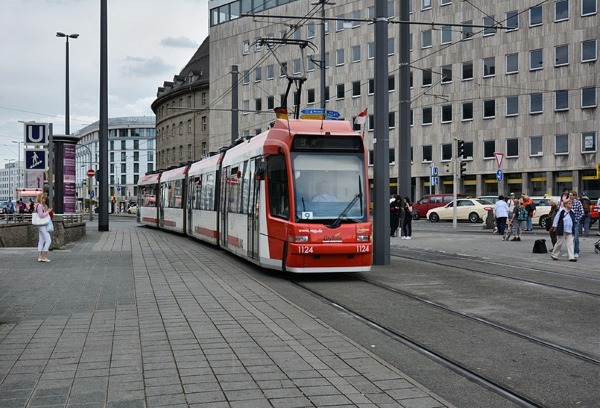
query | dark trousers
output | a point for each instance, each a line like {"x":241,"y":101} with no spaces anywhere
{"x":407,"y":226}
{"x":394,"y":222}
{"x":501,"y":225}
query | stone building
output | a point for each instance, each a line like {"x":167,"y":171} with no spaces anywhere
{"x":181,"y":109}
{"x":525,"y":91}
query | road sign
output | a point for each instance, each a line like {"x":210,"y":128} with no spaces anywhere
{"x":332,"y":115}
{"x":36,"y":160}
{"x":499,"y":175}
{"x":311,"y":111}
{"x":36,"y":133}
{"x":499,"y":157}
{"x":91,"y":173}
{"x":434,"y":171}
{"x":92,"y":194}
{"x":435,"y":181}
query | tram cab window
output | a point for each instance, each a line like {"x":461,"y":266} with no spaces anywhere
{"x":325,"y":184}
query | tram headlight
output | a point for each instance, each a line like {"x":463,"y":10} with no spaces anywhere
{"x":298,"y":238}
{"x":363,"y":238}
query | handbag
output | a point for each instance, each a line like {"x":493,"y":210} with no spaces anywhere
{"x":50,"y":227}
{"x":37,"y":220}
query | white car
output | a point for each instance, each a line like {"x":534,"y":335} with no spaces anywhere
{"x":467,"y":209}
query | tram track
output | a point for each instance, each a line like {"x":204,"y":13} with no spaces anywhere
{"x":493,"y":376}
{"x":520,"y":268}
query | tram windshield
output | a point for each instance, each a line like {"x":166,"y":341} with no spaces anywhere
{"x":329,"y":186}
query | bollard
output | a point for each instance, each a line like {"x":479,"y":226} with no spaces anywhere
{"x":489,"y":220}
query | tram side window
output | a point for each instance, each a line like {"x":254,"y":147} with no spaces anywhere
{"x":278,"y":187}
{"x":234,"y":180}
{"x":207,"y":194}
{"x":194,"y":191}
{"x":174,"y":192}
{"x":149,"y":194}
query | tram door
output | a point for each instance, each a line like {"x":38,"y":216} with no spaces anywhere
{"x":223,"y":208}
{"x":253,"y":210}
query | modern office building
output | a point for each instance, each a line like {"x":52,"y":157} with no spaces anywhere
{"x":516,"y":81}
{"x":131,"y":153}
{"x":11,"y":179}
{"x":181,"y":109}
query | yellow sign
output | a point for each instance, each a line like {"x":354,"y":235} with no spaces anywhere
{"x":312,"y":117}
{"x":598,"y":171}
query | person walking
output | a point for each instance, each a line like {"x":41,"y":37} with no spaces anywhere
{"x":44,"y":239}
{"x":586,"y":204}
{"x":530,"y":207}
{"x":518,"y":220}
{"x":550,"y":219}
{"x":501,"y":215}
{"x":395,"y":213}
{"x":407,"y":219}
{"x":577,"y":209}
{"x":563,"y":224}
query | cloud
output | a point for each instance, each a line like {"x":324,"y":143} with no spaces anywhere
{"x":145,"y":67}
{"x":179,"y":42}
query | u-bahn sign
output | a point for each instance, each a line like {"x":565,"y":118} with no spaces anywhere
{"x":36,"y":133}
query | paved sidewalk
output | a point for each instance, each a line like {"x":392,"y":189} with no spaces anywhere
{"x":140,"y":318}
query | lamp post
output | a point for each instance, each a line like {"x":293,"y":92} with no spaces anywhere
{"x":89,"y":181}
{"x":67,"y":115}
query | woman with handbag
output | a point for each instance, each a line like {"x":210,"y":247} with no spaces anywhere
{"x":41,"y":218}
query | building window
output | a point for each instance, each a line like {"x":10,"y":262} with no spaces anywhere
{"x":245,"y":47}
{"x":512,"y":20}
{"x":588,"y":97}
{"x":536,"y":15}
{"x":245,"y":107}
{"x":189,"y":151}
{"x":467,"y":70}
{"x":427,"y":116}
{"x":258,"y":104}
{"x":512,"y":63}
{"x":561,"y":100}
{"x":371,"y":86}
{"x":392,"y":120}
{"x":270,"y":71}
{"x":588,"y":51}
{"x":427,"y":77}
{"x":339,"y":57}
{"x":189,"y":127}
{"x":489,"y":109}
{"x":371,"y":122}
{"x":270,"y":102}
{"x":356,"y":53}
{"x":245,"y":77}
{"x":355,"y":89}
{"x":310,"y":96}
{"x":445,"y":2}
{"x":310,"y":63}
{"x":589,"y":7}
{"x":536,"y":59}
{"x":446,"y":34}
{"x":204,"y":123}
{"x":561,"y":144}
{"x":561,"y":55}
{"x":340,"y":91}
{"x":257,"y":74}
{"x":425,"y":4}
{"x":310,"y":30}
{"x":427,"y":153}
{"x":512,"y":105}
{"x":489,"y":147}
{"x":391,"y":83}
{"x":296,"y":66}
{"x":371,"y":50}
{"x":467,"y":111}
{"x":588,"y":142}
{"x":489,"y":29}
{"x":446,"y":74}
{"x":535,"y":146}
{"x":536,"y":103}
{"x":426,"y":39}
{"x":512,"y":148}
{"x":446,"y":113}
{"x":561,"y":10}
{"x":489,"y":67}
{"x":446,"y":152}
{"x":283,"y":69}
{"x":466,"y":30}
{"x":204,"y":98}
{"x":391,"y":46}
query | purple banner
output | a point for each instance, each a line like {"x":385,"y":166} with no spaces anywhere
{"x":69,"y":196}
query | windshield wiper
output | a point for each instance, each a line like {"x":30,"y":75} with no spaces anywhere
{"x":336,"y":223}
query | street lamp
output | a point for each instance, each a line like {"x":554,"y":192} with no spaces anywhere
{"x":67,"y":115}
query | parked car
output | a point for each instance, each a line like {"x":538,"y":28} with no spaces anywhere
{"x":594,"y":212}
{"x":429,"y":201}
{"x":467,"y":209}
{"x":542,"y":208}
{"x":491,"y":199}
{"x":3,"y":207}
{"x":132,"y":208}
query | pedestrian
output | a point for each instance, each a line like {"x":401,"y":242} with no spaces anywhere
{"x":501,"y":215}
{"x":31,"y":206}
{"x":44,"y":240}
{"x":518,"y":219}
{"x":577,"y":210}
{"x":395,"y":214}
{"x":530,"y":207}
{"x":550,"y":219}
{"x":586,"y":204}
{"x":564,"y":197}
{"x":407,"y":219}
{"x":563,"y":224}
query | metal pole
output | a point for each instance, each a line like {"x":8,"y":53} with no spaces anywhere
{"x":67,"y":115}
{"x":103,"y":123}
{"x":234,"y":104}
{"x":323,"y":67}
{"x":404,"y":144}
{"x":381,"y":174}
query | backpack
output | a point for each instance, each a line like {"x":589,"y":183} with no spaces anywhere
{"x":523,"y":214}
{"x":585,"y":203}
{"x":539,"y":246}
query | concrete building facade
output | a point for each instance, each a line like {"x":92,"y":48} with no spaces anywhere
{"x":182,"y":125}
{"x":526,"y":93}
{"x":131,"y":153}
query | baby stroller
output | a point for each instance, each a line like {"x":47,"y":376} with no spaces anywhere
{"x":597,"y":246}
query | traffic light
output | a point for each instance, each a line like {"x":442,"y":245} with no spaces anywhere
{"x":463,"y":169}
{"x":460,"y":148}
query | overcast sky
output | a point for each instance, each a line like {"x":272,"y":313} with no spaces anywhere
{"x":149,"y":41}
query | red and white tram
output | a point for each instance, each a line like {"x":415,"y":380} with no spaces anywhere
{"x":294,"y":198}
{"x":147,"y":207}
